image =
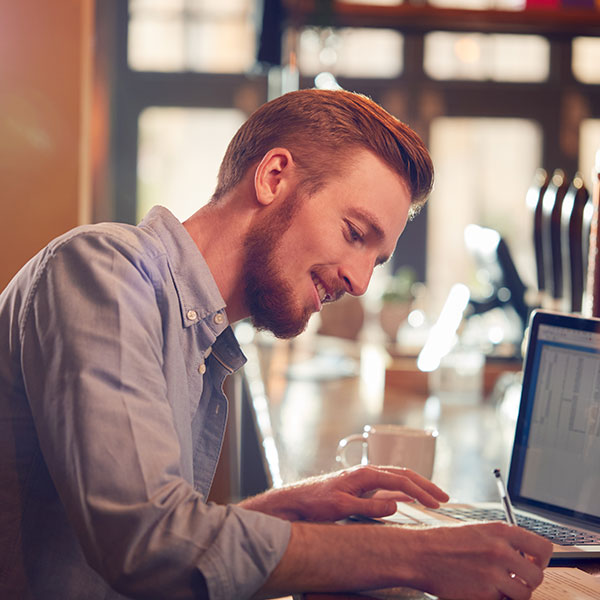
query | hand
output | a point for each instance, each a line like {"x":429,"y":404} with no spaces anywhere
{"x":349,"y":492}
{"x":481,"y":561}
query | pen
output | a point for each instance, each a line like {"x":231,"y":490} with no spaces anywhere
{"x":505,"y":498}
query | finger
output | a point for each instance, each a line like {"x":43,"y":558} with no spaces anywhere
{"x":372,"y":476}
{"x":423,"y":482}
{"x":515,"y":589}
{"x":388,"y":495}
{"x":414,"y":485}
{"x":422,"y":489}
{"x":521,"y":582}
{"x":372,"y":507}
{"x":526,"y":571}
{"x":531,"y":544}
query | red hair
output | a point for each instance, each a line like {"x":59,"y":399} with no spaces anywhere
{"x":321,"y":128}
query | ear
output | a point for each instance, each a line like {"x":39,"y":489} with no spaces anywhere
{"x":273,"y":175}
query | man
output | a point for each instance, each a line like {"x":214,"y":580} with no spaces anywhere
{"x":115,"y":344}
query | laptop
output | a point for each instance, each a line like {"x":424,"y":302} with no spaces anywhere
{"x":554,"y":477}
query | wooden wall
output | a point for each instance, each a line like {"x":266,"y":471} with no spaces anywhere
{"x":46,"y":51}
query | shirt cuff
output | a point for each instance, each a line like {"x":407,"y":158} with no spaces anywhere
{"x":247,"y":548}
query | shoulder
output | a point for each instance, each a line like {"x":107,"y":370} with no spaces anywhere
{"x":104,"y":250}
{"x":101,"y":261}
{"x":108,"y":238}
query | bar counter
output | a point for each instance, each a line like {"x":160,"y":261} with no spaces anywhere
{"x":315,"y":390}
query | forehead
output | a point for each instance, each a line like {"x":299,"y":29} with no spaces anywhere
{"x":364,"y":163}
{"x":371,"y":186}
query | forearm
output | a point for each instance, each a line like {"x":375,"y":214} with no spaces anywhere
{"x":457,"y":562}
{"x":330,"y":557}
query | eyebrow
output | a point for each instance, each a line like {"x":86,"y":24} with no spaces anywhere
{"x":372,"y":222}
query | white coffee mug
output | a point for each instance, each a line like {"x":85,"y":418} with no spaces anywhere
{"x":394,"y":445}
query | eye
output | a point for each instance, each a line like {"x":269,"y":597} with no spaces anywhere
{"x":354,"y":235}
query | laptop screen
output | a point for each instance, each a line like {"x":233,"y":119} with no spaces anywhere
{"x":556,"y":457}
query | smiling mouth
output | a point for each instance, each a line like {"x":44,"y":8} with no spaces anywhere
{"x":324,"y":295}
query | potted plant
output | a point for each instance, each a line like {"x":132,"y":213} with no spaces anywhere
{"x":396,"y":301}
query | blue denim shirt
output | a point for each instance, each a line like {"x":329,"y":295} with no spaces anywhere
{"x":114,"y":344}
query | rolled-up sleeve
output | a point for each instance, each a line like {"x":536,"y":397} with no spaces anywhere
{"x":92,"y":351}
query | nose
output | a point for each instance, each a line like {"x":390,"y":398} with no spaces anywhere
{"x":356,"y":276}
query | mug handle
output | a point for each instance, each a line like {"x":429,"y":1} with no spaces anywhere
{"x":343,"y":447}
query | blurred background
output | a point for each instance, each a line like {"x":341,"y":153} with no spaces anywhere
{"x":110,"y":107}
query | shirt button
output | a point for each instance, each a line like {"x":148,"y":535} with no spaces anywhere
{"x":202,"y":369}
{"x":219,"y":318}
{"x":192,"y":315}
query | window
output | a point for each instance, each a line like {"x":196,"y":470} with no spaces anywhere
{"x":480,"y":4}
{"x":351,"y":52}
{"x":177,"y":168}
{"x":479,"y":56}
{"x":484,"y":167}
{"x":589,"y":145}
{"x":374,"y":2}
{"x":192,"y":35}
{"x":586,"y":58}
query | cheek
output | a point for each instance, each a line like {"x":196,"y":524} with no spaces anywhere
{"x":309,"y":241}
{"x":308,"y":253}
{"x":299,"y":249}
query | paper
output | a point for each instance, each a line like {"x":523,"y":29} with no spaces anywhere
{"x":562,"y":582}
{"x":399,"y":594}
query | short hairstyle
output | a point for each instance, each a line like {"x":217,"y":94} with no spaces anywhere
{"x":315,"y":123}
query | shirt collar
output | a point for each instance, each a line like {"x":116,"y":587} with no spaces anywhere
{"x":199,"y":296}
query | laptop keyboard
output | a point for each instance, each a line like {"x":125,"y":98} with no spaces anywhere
{"x":558,"y":534}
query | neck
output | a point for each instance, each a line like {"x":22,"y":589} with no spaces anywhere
{"x":218,"y":230}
